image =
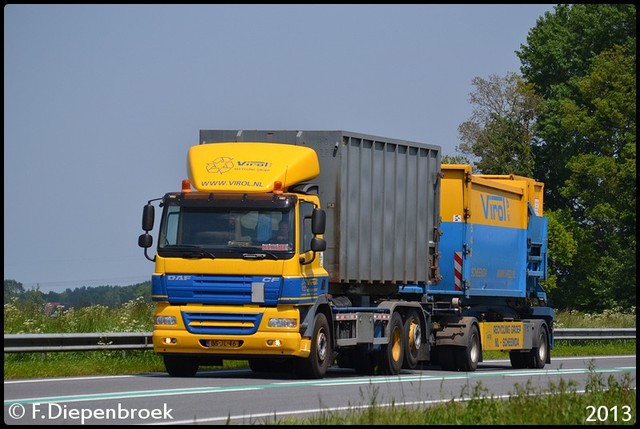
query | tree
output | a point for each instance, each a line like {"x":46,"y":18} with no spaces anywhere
{"x":559,"y":52}
{"x":604,"y":124}
{"x":33,"y":301}
{"x":562,"y":44}
{"x":581,"y":59}
{"x":562,"y":249}
{"x":12,"y":289}
{"x":501,"y":128}
{"x":455,"y":159}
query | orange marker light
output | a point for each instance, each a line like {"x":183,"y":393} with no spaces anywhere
{"x":186,"y":185}
{"x":277,"y":187}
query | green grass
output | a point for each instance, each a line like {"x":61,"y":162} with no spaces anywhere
{"x":108,"y":362}
{"x":29,"y":318}
{"x":557,"y":404}
{"x":611,"y":318}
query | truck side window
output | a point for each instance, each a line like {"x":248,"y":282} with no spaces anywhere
{"x":306,"y":209}
{"x":170,"y":232}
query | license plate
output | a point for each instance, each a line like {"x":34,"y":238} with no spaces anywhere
{"x":222,"y":344}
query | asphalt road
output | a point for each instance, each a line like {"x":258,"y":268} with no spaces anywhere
{"x":241,"y":397}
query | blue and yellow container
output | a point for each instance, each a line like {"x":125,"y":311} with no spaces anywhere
{"x":494,"y":240}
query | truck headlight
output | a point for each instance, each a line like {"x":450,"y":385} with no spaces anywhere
{"x":283,"y":323}
{"x":164,"y":320}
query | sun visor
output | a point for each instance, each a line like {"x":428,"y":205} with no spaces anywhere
{"x":250,"y":167}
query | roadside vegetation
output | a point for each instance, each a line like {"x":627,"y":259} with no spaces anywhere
{"x":613,"y":402}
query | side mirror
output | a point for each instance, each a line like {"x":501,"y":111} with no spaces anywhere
{"x":148,"y":217}
{"x":145,"y":240}
{"x":318,"y":221}
{"x":318,"y":244}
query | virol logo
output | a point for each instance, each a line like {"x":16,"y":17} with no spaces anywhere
{"x":253,"y":164}
{"x":220,"y":165}
{"x":223,"y":164}
{"x":495,"y":208}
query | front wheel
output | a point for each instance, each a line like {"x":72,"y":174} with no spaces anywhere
{"x":315,"y":366}
{"x":180,"y":366}
{"x":269,"y":364}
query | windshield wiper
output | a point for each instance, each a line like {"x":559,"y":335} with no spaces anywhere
{"x":199,"y":253}
{"x":259,"y":255}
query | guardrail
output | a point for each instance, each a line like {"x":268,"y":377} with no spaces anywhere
{"x":76,"y":342}
{"x":578,"y":334}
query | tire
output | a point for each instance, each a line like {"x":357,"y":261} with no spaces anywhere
{"x":363,"y":361}
{"x":434,"y":356}
{"x":412,"y":332}
{"x":315,"y":366}
{"x":539,"y":355}
{"x":518,"y":359}
{"x":445,"y":358}
{"x":467,"y":357}
{"x":344,"y":360}
{"x":180,"y":366}
{"x":258,"y":365}
{"x":392,"y":354}
{"x":269,"y":365}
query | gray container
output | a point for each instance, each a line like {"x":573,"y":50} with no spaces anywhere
{"x":382,"y":199}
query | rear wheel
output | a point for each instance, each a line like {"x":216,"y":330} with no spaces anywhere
{"x":180,"y":366}
{"x":445,"y":357}
{"x":412,"y":339}
{"x":392,"y":354}
{"x":363,"y":361}
{"x":467,"y":357}
{"x":539,"y":355}
{"x":518,"y":359}
{"x":315,"y":366}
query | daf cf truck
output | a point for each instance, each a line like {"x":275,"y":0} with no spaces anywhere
{"x":298,"y":250}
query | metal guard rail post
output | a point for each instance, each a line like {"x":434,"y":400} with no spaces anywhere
{"x":76,"y":342}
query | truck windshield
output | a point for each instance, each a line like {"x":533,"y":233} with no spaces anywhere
{"x":194,"y":229}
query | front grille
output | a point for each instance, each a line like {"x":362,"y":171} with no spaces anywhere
{"x":230,"y":290}
{"x":221,"y":323}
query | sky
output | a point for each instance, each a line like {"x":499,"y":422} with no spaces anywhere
{"x":102,"y":102}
